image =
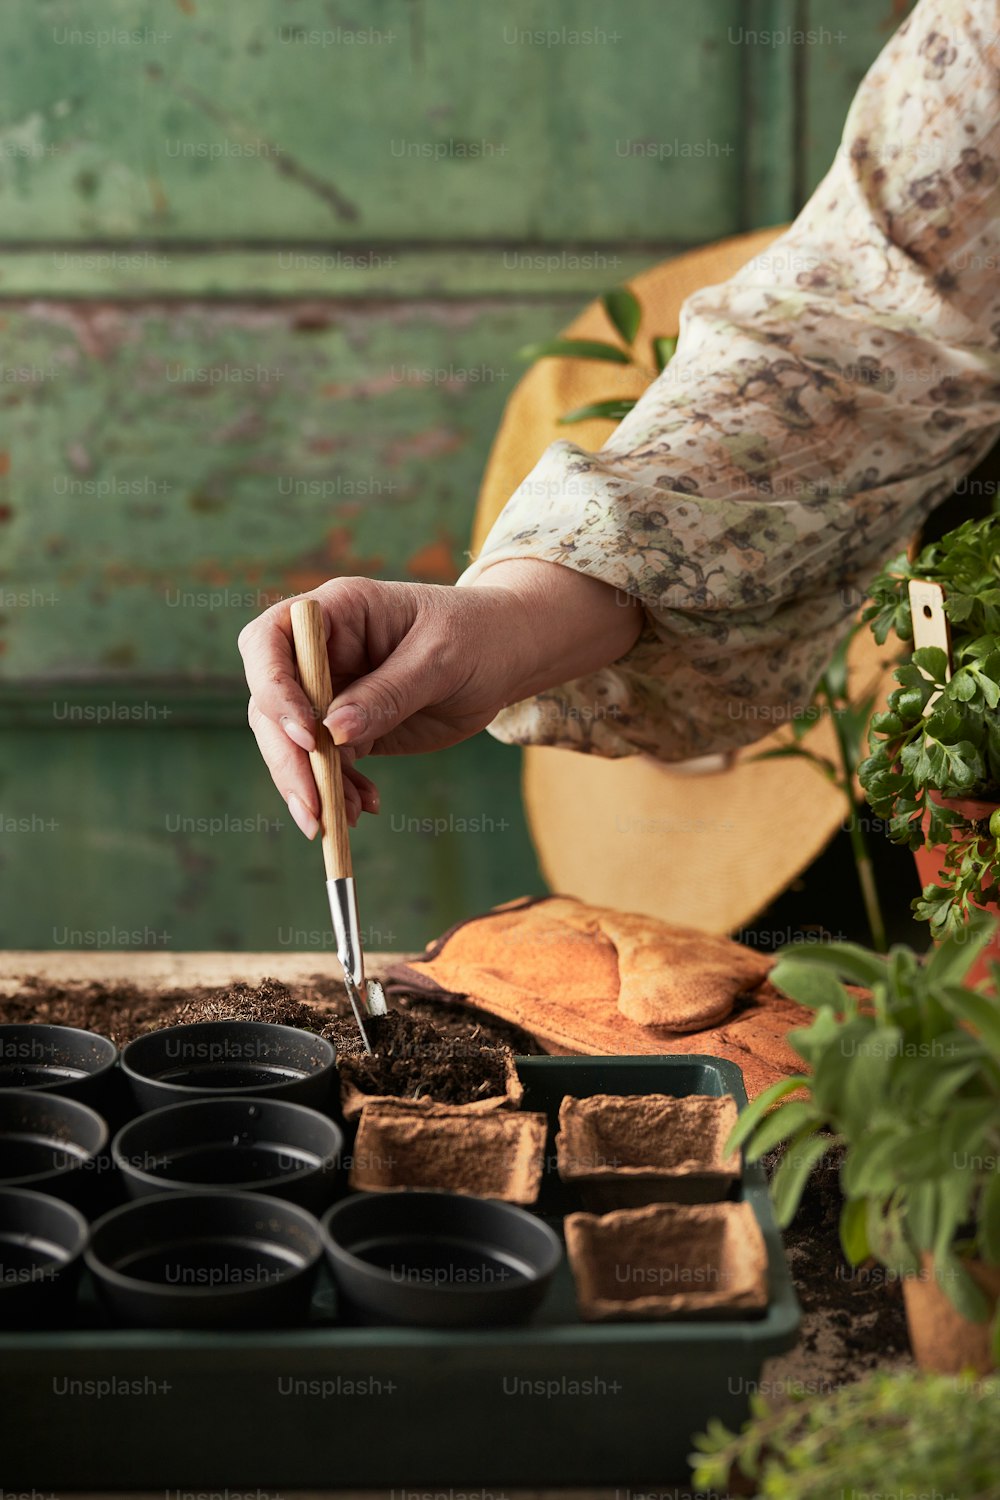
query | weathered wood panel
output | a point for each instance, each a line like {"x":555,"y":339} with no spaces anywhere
{"x":286,"y":119}
{"x":393,"y":272}
{"x":144,"y":836}
{"x":169,"y":471}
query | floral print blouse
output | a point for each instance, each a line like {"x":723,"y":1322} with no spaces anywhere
{"x":819,"y":405}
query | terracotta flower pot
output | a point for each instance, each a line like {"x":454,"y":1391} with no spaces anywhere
{"x":942,"y":1340}
{"x":930,"y":858}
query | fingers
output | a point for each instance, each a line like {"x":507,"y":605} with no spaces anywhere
{"x":368,"y":792}
{"x":293,"y":778}
{"x":374,"y":705}
{"x":269,"y":662}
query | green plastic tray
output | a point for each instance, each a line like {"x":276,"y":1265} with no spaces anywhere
{"x":558,"y":1402}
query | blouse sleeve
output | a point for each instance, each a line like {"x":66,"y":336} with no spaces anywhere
{"x":819,"y":405}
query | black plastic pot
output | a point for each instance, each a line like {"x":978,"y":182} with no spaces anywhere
{"x":212,"y":1058}
{"x":438,"y":1260}
{"x":254,"y":1145}
{"x":206,"y":1260}
{"x":54,"y":1145}
{"x":60,"y":1060}
{"x":41,"y":1244}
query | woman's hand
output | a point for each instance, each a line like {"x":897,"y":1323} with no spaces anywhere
{"x":418,"y":667}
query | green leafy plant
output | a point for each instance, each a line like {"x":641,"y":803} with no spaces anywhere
{"x":909,"y":1084}
{"x":623,"y":309}
{"x":941,"y":735}
{"x":850,"y":720}
{"x":891,"y":1433}
{"x":966,"y":562}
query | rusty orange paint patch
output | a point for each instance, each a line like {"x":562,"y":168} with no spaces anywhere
{"x":434,"y":563}
{"x":334,"y":558}
{"x":304,"y":580}
{"x":340,"y":550}
{"x":432,"y":444}
{"x":4,"y":462}
{"x":214,"y":573}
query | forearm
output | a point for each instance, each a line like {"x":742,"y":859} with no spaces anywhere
{"x":566,"y":623}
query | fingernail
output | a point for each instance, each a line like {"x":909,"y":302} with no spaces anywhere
{"x":345,"y":724}
{"x":297,"y":733}
{"x":304,"y":819}
{"x":373,"y":801}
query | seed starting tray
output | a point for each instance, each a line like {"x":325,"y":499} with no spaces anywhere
{"x":555,"y":1402}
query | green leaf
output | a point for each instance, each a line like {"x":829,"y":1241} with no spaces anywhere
{"x":848,"y":960}
{"x":869,"y":1168}
{"x":966,"y":1127}
{"x":951,"y":961}
{"x":664,"y":350}
{"x":922,"y":1214}
{"x":793,"y":1173}
{"x":832,"y":1071}
{"x":928,"y":1086}
{"x":834,"y":679}
{"x":813,"y":1042}
{"x":802,"y":723}
{"x":622,"y":307}
{"x":989,"y":1220}
{"x":780,"y":1124}
{"x":918,"y":1155}
{"x":887,"y":1237}
{"x":758,"y":1108}
{"x":809,"y":983}
{"x":873,"y":1053}
{"x":955,"y":1193}
{"x":962,"y":768}
{"x":576,"y":349}
{"x":982,"y":1014}
{"x":963,"y":1293}
{"x":854,"y":1232}
{"x":903,"y":972}
{"x":933,"y":661}
{"x":612,"y":411}
{"x":887,"y":723}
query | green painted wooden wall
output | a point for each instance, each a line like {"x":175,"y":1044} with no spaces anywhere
{"x":264,"y":270}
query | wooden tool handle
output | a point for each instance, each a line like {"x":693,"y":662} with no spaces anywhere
{"x":314,"y":675}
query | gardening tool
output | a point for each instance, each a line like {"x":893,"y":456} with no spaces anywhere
{"x":366,"y":997}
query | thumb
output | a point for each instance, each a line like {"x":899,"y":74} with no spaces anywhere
{"x":376,"y":704}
